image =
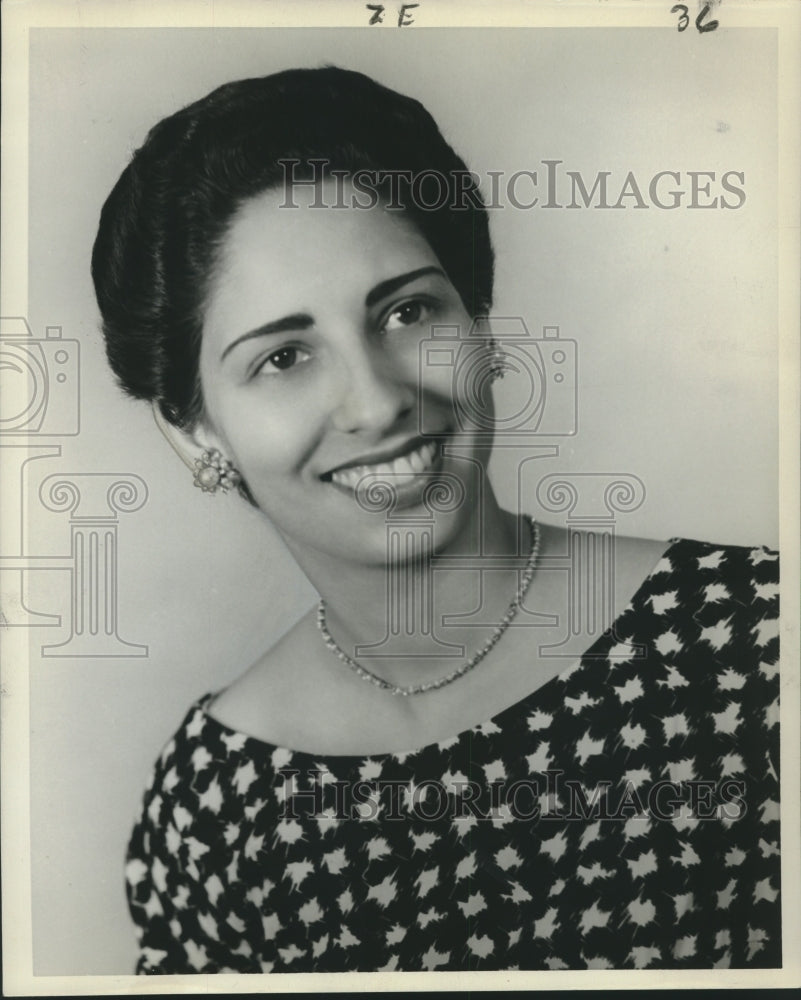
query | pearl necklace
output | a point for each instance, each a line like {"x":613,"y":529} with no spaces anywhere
{"x":514,"y":607}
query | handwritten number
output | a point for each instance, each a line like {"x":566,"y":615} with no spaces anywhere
{"x":684,"y":18}
{"x":699,"y":21}
{"x":378,"y":15}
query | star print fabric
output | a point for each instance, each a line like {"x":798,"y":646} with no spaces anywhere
{"x":624,"y":815}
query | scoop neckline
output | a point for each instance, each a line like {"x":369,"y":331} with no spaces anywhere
{"x":265,"y":747}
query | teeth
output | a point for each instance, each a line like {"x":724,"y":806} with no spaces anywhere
{"x":415,"y":462}
{"x":348,"y":477}
{"x":403,"y":465}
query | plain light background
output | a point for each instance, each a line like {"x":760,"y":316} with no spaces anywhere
{"x":674,"y":313}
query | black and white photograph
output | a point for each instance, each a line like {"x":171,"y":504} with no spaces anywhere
{"x":400,"y":512}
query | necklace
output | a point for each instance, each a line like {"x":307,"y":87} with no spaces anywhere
{"x":511,"y":612}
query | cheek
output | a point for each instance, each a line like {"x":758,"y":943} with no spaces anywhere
{"x":456,"y":373}
{"x":269,"y":441}
{"x":270,"y":457}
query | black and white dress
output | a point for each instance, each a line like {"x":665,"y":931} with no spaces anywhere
{"x":624,"y":815}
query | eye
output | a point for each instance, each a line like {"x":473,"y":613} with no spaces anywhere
{"x":282,"y":360}
{"x":407,"y":314}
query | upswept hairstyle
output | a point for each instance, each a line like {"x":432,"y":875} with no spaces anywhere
{"x":164,"y":222}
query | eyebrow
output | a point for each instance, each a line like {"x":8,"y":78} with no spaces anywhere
{"x":384,"y":288}
{"x":302,"y":321}
{"x":297,"y":321}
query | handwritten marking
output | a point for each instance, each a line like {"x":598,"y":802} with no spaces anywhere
{"x":402,"y":22}
{"x":404,"y":18}
{"x":684,"y":18}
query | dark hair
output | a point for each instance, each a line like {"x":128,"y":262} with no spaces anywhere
{"x":163,"y":224}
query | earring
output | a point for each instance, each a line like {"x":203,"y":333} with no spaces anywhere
{"x":497,"y":360}
{"x":212,"y":471}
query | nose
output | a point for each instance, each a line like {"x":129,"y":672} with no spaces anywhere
{"x":372,"y":396}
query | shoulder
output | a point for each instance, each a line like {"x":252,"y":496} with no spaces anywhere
{"x":742,"y":579}
{"x":201,"y":769}
{"x":707,"y":619}
{"x":701,"y":635}
{"x":748,"y":574}
{"x":722,"y":596}
{"x":196,"y":814}
{"x":196,"y":821}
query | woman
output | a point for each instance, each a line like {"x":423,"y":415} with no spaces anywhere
{"x":404,"y":782}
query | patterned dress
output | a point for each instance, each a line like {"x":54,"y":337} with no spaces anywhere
{"x":623,"y":815}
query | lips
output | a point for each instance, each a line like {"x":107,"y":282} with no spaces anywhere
{"x":417,"y":456}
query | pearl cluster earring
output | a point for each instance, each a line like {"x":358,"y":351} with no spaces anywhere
{"x":213,"y":472}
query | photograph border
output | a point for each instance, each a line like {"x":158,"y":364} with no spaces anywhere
{"x":18,"y":20}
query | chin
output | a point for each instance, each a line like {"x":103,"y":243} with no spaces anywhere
{"x":392,"y":515}
{"x":409,"y":533}
{"x":412,"y":532}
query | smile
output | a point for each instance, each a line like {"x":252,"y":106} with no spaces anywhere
{"x":411,"y":463}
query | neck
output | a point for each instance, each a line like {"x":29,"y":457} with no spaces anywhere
{"x":391,"y":616}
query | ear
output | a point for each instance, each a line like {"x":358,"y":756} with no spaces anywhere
{"x":188,"y":445}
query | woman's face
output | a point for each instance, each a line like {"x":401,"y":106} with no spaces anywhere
{"x":314,"y":371}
